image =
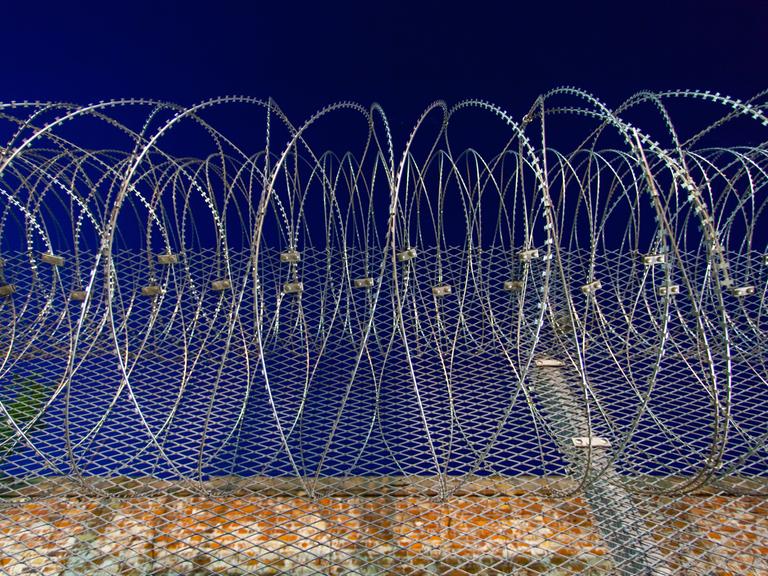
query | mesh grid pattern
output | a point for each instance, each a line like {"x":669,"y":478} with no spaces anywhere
{"x":504,"y":360}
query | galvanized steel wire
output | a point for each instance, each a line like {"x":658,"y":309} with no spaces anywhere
{"x":632,"y":257}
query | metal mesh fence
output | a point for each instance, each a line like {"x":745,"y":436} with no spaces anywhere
{"x":529,"y":346}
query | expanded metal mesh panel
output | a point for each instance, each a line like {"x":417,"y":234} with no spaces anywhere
{"x":488,"y":357}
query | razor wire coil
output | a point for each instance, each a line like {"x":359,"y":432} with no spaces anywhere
{"x":322,"y":310}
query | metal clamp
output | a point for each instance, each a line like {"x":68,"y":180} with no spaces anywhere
{"x":651,"y":259}
{"x":743,"y":291}
{"x":221,"y":285}
{"x":51,"y":259}
{"x":440,"y":291}
{"x":6,"y":290}
{"x":591,"y":441}
{"x":293,"y":288}
{"x":78,"y":295}
{"x":167,"y":259}
{"x":406,"y":255}
{"x":548,"y":363}
{"x":363,"y":282}
{"x":592,"y":287}
{"x":513,"y":285}
{"x":290,"y":256}
{"x":528,"y":255}
{"x":151,"y":290}
{"x":668,"y":290}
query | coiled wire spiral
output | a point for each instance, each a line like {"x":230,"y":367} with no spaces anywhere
{"x":175,"y":304}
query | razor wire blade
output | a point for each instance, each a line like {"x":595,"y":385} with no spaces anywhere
{"x":177,"y":305}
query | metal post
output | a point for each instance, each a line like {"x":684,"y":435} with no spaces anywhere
{"x":618,"y":519}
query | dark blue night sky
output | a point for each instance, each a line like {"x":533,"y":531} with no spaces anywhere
{"x":401,"y":54}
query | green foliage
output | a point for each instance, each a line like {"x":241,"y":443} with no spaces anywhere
{"x":30,"y":398}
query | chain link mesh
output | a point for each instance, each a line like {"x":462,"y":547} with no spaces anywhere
{"x":505,"y":353}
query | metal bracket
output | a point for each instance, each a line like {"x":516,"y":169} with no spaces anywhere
{"x":6,"y":290}
{"x":221,"y":285}
{"x":668,"y":290}
{"x":151,"y":290}
{"x":592,"y":287}
{"x":513,"y":285}
{"x":743,"y":291}
{"x":293,"y":288}
{"x":290,"y":256}
{"x":440,"y":291}
{"x":528,"y":255}
{"x":406,"y":255}
{"x":363,"y":282}
{"x":651,"y":259}
{"x":591,"y":441}
{"x":548,"y":363}
{"x":167,"y":259}
{"x":51,"y":259}
{"x":765,"y":260}
{"x":78,"y":295}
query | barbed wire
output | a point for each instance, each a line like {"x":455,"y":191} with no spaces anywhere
{"x":487,"y":304}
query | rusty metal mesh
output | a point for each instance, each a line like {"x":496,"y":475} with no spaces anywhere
{"x":529,"y":346}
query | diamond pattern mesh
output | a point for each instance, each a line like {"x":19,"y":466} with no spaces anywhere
{"x":504,"y":360}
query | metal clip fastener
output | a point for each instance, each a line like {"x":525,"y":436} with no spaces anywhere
{"x":290,"y":256}
{"x":513,"y":285}
{"x":440,"y":291}
{"x":221,"y":285}
{"x":151,"y":290}
{"x":743,"y":291}
{"x":6,"y":290}
{"x":651,"y":259}
{"x":669,"y":290}
{"x":592,"y":287}
{"x":167,"y":259}
{"x":528,"y":255}
{"x":591,"y":441}
{"x":293,"y":288}
{"x":548,"y":363}
{"x":78,"y":295}
{"x":49,"y":258}
{"x":363,"y":282}
{"x":406,"y":255}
